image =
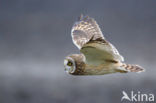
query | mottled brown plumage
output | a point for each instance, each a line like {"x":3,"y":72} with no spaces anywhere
{"x":98,"y":56}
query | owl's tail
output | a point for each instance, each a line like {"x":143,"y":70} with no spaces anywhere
{"x":131,"y":68}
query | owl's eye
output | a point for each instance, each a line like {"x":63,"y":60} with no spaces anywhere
{"x":70,"y":63}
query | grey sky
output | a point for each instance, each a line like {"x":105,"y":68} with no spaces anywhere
{"x":35,"y":38}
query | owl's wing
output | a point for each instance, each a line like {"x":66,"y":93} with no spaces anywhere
{"x":100,"y":52}
{"x":84,"y":30}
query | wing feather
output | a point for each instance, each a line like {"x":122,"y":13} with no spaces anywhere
{"x":85,"y":29}
{"x":97,"y":53}
{"x":87,"y":36}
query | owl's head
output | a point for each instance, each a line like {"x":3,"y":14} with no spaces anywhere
{"x":69,"y":64}
{"x":74,"y":64}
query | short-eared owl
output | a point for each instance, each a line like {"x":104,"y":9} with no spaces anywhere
{"x":98,"y":56}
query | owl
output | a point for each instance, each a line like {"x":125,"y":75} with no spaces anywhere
{"x":97,"y":55}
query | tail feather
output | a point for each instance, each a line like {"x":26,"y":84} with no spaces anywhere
{"x":132,"y":68}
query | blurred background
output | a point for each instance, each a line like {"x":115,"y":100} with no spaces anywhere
{"x":35,"y":38}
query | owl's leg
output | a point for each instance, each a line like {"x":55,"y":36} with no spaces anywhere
{"x":121,"y":71}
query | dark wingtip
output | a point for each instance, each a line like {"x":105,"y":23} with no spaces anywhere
{"x":80,"y":17}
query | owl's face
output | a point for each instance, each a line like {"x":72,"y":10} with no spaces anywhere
{"x":69,"y":64}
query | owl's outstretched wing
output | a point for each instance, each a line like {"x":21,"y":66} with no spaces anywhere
{"x":88,"y":37}
{"x":85,"y":29}
{"x":100,"y":52}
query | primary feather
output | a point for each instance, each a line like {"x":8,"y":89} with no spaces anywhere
{"x":85,"y":29}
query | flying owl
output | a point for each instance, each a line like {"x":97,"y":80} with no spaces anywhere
{"x":98,"y":56}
